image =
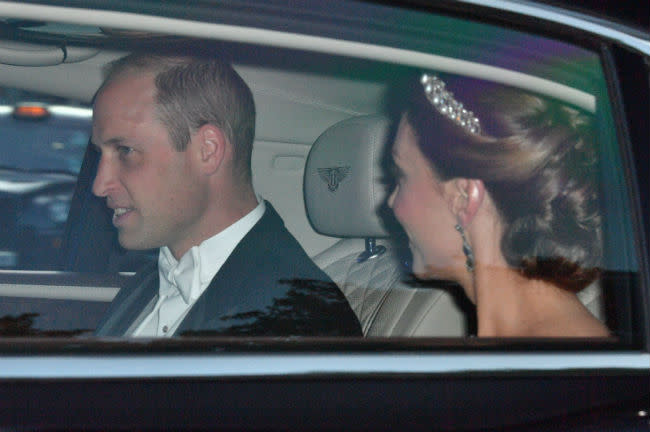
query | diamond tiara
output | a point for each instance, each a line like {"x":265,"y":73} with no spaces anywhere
{"x":447,"y":105}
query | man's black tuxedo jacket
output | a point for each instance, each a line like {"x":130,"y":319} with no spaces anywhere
{"x":268,"y":286}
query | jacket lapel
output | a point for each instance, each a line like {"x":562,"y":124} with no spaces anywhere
{"x":234,"y":286}
{"x":130,"y":304}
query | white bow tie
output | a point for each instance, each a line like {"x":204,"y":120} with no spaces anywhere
{"x":183,"y":276}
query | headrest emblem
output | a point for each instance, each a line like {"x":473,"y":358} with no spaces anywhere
{"x":333,"y":176}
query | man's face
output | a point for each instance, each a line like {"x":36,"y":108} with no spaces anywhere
{"x":157,"y":196}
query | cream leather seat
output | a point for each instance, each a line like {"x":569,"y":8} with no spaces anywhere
{"x":344,"y":188}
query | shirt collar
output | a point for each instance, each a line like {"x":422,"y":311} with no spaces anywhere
{"x":190,"y":275}
{"x":181,"y":276}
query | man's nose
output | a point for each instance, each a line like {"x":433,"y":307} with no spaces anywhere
{"x":104,"y":179}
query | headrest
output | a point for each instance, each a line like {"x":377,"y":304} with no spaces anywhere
{"x":344,"y":179}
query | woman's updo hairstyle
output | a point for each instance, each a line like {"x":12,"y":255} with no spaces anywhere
{"x":537,"y":160}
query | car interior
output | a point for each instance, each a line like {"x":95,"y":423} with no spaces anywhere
{"x":328,"y":82}
{"x":324,"y":124}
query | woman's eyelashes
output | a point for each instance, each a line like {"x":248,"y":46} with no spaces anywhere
{"x":392,"y":176}
{"x":396,"y":173}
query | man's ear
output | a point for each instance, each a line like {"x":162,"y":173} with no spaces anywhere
{"x":465,"y":197}
{"x":212,"y":147}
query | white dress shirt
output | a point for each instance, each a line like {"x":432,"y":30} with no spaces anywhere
{"x":183,"y":281}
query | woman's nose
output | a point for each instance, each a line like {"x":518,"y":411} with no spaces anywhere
{"x":391,"y":197}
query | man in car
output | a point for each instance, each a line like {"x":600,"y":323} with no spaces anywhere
{"x":175,"y":137}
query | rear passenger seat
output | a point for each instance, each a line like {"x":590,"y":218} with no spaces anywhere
{"x":344,"y":188}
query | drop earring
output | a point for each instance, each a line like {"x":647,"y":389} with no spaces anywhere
{"x":467,"y":249}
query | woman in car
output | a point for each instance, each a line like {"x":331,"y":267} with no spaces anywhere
{"x":511,"y":214}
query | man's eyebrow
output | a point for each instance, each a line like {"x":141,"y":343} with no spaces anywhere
{"x":108,"y":143}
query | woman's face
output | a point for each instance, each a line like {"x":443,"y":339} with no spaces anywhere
{"x":419,"y":203}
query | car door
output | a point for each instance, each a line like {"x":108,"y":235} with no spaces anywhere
{"x":293,"y":50}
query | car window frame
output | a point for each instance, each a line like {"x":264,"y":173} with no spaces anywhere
{"x":582,"y":40}
{"x":216,"y":367}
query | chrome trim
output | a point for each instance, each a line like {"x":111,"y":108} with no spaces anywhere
{"x":133,"y":21}
{"x":573,"y":19}
{"x":58,"y":292}
{"x":297,"y":365}
{"x":71,"y":111}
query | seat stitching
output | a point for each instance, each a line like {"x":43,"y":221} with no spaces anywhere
{"x":423,"y":315}
{"x":366,"y":290}
{"x":394,"y":323}
{"x":384,"y":298}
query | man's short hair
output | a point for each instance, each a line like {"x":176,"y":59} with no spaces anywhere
{"x":192,"y":92}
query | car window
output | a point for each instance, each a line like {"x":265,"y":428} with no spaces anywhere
{"x":306,"y":101}
{"x":444,"y":225}
{"x":64,"y":151}
{"x":41,"y":150}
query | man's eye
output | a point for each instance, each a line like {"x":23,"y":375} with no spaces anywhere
{"x":124,"y":151}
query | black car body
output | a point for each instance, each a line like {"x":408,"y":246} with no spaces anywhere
{"x":313,"y":64}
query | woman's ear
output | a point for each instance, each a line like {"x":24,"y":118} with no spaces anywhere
{"x":465,"y":197}
{"x":212,"y":144}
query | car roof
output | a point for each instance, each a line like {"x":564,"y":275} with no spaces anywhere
{"x":631,"y":13}
{"x":333,"y":99}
